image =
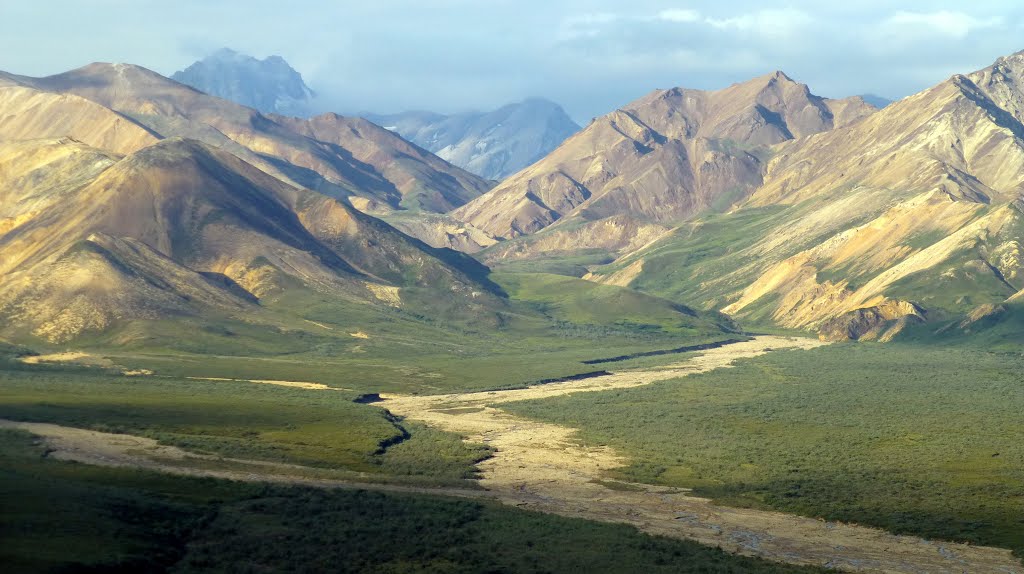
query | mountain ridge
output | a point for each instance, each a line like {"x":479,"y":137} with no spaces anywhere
{"x":667,"y":156}
{"x":350,"y":166}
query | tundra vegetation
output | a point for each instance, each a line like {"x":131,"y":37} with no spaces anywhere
{"x":67,"y":517}
{"x":915,"y":439}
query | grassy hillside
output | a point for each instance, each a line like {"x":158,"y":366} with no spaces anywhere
{"x":913,"y":439}
{"x":567,"y":300}
{"x":705,"y":261}
{"x":63,"y":517}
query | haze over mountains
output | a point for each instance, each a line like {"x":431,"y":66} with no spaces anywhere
{"x":269,"y":85}
{"x":493,"y":145}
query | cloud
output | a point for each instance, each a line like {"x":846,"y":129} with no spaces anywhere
{"x":767,"y":23}
{"x":586,"y":25}
{"x":679,"y":15}
{"x":589,"y":55}
{"x":947,"y":23}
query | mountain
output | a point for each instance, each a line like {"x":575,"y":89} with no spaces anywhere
{"x":94,"y":242}
{"x":121,"y":107}
{"x":667,"y":157}
{"x":493,"y":145}
{"x":138,"y":212}
{"x":910,"y":220}
{"x":877,"y":101}
{"x":269,"y":85}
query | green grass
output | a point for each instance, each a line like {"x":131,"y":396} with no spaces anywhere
{"x":913,"y":439}
{"x":552,"y":325}
{"x":583,"y":303}
{"x":549,"y":325}
{"x":688,"y":265}
{"x":575,"y":264}
{"x":67,"y":517}
{"x":241,"y":420}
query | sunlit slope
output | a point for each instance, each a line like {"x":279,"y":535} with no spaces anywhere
{"x":910,"y":215}
{"x":91,"y":240}
{"x":664,"y":158}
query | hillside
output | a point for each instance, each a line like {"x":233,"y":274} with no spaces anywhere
{"x":912,"y":215}
{"x":93,"y":241}
{"x":134,"y":210}
{"x":669,"y":156}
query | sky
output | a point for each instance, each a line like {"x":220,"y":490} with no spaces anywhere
{"x":591,"y":56}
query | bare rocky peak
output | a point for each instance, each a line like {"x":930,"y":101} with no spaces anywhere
{"x":269,"y":85}
{"x":1002,"y":84}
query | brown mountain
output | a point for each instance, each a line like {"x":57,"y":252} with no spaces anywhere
{"x":664,"y":157}
{"x":91,"y":240}
{"x":353,"y":159}
{"x":910,"y":215}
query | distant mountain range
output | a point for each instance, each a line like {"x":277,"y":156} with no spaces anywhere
{"x":877,"y":101}
{"x":269,"y":85}
{"x":493,"y":145}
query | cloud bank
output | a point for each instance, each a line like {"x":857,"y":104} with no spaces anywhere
{"x":591,"y":56}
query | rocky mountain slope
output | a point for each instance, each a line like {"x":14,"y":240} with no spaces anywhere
{"x":269,"y":85}
{"x":493,"y":145}
{"x":122,"y":107}
{"x":667,"y":157}
{"x":911,"y":217}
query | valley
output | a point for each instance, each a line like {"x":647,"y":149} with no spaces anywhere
{"x":542,"y":467}
{"x":738,"y":329}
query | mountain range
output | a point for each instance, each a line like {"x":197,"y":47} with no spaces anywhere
{"x":783,"y":208}
{"x":131,"y":200}
{"x":493,"y":145}
{"x":664,"y":158}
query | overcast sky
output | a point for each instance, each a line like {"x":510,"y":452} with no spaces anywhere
{"x":589,"y":55}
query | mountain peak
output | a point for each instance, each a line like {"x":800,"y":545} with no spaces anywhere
{"x":270,"y":85}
